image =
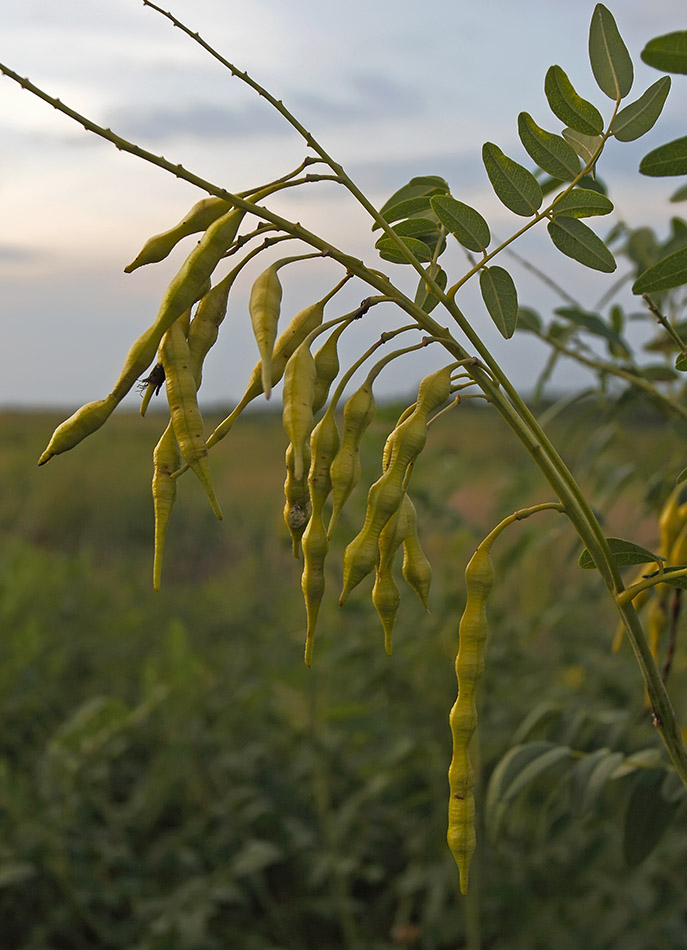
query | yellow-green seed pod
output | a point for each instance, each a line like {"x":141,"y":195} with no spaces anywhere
{"x":264,"y":306}
{"x":386,"y":599}
{"x":297,"y":415}
{"x":358,"y":413}
{"x":315,"y":547}
{"x":435,"y":389}
{"x":200,"y":217}
{"x":326,"y":367}
{"x":479,"y":578}
{"x":165,"y":461}
{"x":324,"y":444}
{"x":297,"y":506}
{"x":204,"y":328}
{"x":392,"y":536}
{"x":82,"y":423}
{"x":388,"y":445}
{"x":417,"y":570}
{"x":183,"y":406}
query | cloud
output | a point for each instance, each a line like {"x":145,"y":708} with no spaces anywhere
{"x":13,"y":252}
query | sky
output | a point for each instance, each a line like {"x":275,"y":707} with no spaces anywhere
{"x":392,"y":90}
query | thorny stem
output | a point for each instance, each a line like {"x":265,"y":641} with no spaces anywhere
{"x":497,"y":387}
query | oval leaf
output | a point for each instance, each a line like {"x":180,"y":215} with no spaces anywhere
{"x":668,"y":273}
{"x":590,"y":775}
{"x":463,"y":222}
{"x":583,"y":203}
{"x":404,"y":209}
{"x":623,"y":553}
{"x":586,"y":146}
{"x":668,"y":159}
{"x":551,"y":152}
{"x":570,"y":108}
{"x":594,"y":324}
{"x":576,"y":240}
{"x":422,"y":185}
{"x":611,"y":63}
{"x":388,"y":250}
{"x":423,"y":295}
{"x":517,"y":188}
{"x":667,"y":52}
{"x":681,"y":362}
{"x":640,"y":116}
{"x":647,"y":817}
{"x":505,"y":773}
{"x":501,"y":299}
{"x":680,"y":194}
{"x":529,"y":320}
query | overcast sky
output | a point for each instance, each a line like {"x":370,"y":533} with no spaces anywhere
{"x":391,"y":89}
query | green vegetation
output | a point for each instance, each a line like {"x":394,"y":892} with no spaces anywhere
{"x":172,"y":776}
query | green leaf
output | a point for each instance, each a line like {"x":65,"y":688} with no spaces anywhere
{"x":404,"y":209}
{"x":611,"y":63}
{"x":680,"y":582}
{"x":551,"y":152}
{"x":668,"y":159}
{"x":667,"y":52}
{"x":623,"y":553}
{"x":529,"y":320}
{"x":640,"y":116}
{"x":680,"y":194}
{"x":462,"y":221}
{"x":388,"y":250}
{"x":422,"y":185}
{"x":585,"y":145}
{"x":501,"y":299}
{"x":593,"y":323}
{"x":534,"y":768}
{"x":576,"y":240}
{"x":656,"y":372}
{"x":414,"y":227}
{"x":666,"y":274}
{"x":681,"y":477}
{"x":648,"y":816}
{"x":517,"y":188}
{"x":681,"y":362}
{"x":514,"y":763}
{"x":590,"y":775}
{"x":583,"y":203}
{"x":423,"y":295}
{"x":570,"y":108}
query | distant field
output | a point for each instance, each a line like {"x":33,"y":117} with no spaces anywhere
{"x":171,"y":776}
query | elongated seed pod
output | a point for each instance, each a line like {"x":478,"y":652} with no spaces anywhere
{"x":326,"y":367}
{"x":297,"y":508}
{"x":183,"y":406}
{"x":165,"y":461}
{"x":417,"y":570}
{"x":204,"y":328}
{"x":200,"y":217}
{"x":288,"y":341}
{"x":386,"y":599}
{"x":479,"y":578}
{"x":264,"y":306}
{"x":299,"y":385}
{"x":345,"y":469}
{"x":323,"y":445}
{"x":82,"y":423}
{"x":392,"y":536}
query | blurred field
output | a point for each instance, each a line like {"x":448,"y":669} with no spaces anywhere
{"x":171,"y":776}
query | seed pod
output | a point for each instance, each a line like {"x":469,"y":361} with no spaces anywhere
{"x":479,"y":578}
{"x":386,"y":599}
{"x":297,"y":506}
{"x":324,"y":444}
{"x":392,"y":536}
{"x":671,"y":520}
{"x":183,"y":406}
{"x":165,"y":461}
{"x":435,"y":389}
{"x":200,"y":217}
{"x":326,"y":367}
{"x":358,"y":413}
{"x":388,"y":445}
{"x":315,"y":547}
{"x":288,"y":341}
{"x":84,"y":421}
{"x":204,"y":328}
{"x":417,"y":570}
{"x":264,"y":306}
{"x":297,"y":416}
